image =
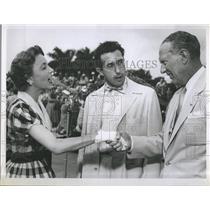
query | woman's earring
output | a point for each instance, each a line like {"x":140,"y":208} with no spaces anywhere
{"x":30,"y":82}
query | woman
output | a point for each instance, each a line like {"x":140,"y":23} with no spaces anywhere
{"x":29,"y":138}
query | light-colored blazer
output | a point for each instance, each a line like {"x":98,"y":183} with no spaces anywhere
{"x":140,"y":115}
{"x":184,"y":150}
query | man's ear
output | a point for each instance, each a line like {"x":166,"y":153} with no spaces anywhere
{"x":185,"y":55}
{"x":99,"y":70}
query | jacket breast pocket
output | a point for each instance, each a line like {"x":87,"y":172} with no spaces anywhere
{"x":195,"y":137}
{"x":195,"y":131}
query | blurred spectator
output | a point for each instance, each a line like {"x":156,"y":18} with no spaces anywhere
{"x":71,"y":81}
{"x":78,"y":75}
{"x":161,"y":87}
{"x":63,"y":119}
{"x":80,"y":119}
{"x":93,"y":76}
{"x":99,"y":81}
{"x":79,"y":87}
{"x":83,"y":80}
{"x":53,"y":109}
{"x":66,"y":78}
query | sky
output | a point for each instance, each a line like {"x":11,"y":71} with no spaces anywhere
{"x":141,"y":43}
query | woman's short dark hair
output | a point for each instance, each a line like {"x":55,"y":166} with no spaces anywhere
{"x":106,"y":47}
{"x":22,"y":67}
{"x":182,"y":39}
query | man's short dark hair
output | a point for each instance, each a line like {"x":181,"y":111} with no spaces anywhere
{"x":182,"y":39}
{"x":106,"y":47}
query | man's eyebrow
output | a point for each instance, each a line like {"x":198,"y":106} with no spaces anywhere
{"x":110,"y":62}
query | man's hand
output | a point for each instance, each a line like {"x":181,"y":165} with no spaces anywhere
{"x":102,"y":137}
{"x":122,"y":142}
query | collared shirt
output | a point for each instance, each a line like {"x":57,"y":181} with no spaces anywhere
{"x":112,"y":106}
{"x":118,"y":89}
{"x":37,"y":107}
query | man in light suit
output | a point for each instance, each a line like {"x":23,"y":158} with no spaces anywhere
{"x":182,"y":140}
{"x":119,"y":105}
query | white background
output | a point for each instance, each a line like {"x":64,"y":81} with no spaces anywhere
{"x":141,"y":43}
{"x":105,"y":12}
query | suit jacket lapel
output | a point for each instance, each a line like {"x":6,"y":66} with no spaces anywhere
{"x":95,"y":110}
{"x":189,"y":104}
{"x":186,"y":109}
{"x":127,"y":102}
{"x":128,"y":99}
{"x":170,"y":116}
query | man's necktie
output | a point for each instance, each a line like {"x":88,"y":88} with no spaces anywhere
{"x":110,"y":89}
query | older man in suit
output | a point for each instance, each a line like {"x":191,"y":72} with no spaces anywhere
{"x":183,"y":138}
{"x":119,"y":105}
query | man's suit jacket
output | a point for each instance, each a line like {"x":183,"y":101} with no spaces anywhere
{"x":184,"y":150}
{"x":140,"y":115}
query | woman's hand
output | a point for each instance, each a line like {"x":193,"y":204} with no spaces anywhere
{"x":122,"y":142}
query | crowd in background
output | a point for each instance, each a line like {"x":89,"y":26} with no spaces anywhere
{"x":74,"y":77}
{"x":65,"y":101}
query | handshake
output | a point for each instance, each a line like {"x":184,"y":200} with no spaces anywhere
{"x":116,"y":140}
